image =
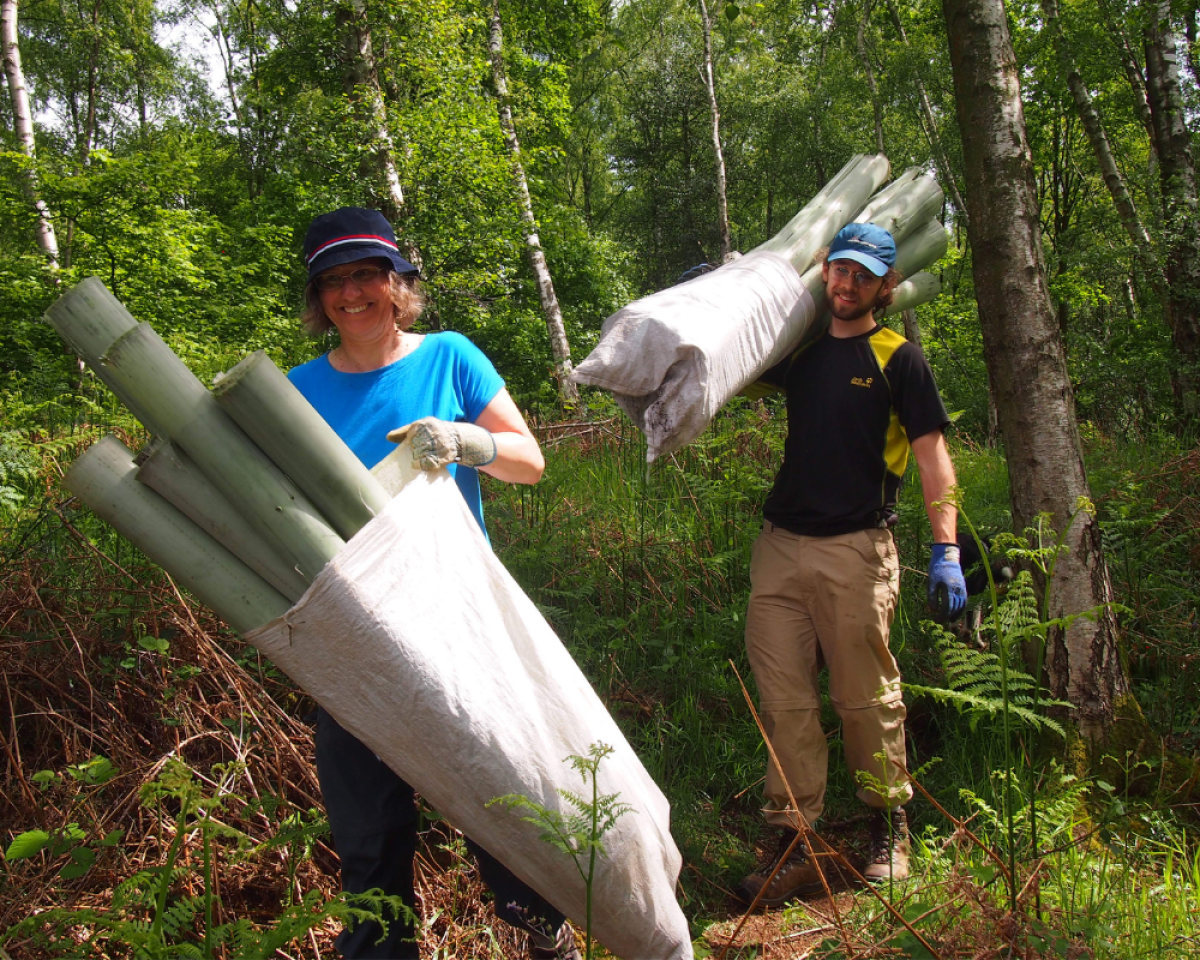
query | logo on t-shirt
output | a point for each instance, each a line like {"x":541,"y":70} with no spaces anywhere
{"x":860,"y":382}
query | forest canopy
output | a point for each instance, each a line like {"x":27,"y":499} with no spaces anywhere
{"x":185,"y":182}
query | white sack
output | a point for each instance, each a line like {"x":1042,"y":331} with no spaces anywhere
{"x":674,"y":358}
{"x":418,"y":641}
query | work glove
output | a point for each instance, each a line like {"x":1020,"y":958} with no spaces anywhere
{"x":436,"y":443}
{"x":947,"y":588}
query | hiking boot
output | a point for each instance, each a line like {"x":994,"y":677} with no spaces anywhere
{"x":888,"y":854}
{"x":561,"y":946}
{"x":797,"y":877}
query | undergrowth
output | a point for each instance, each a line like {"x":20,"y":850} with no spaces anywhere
{"x":644,"y":574}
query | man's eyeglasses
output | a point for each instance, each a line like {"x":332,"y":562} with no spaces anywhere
{"x":860,"y":279}
{"x":360,"y":277}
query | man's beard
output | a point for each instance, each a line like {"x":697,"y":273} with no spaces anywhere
{"x":860,"y":311}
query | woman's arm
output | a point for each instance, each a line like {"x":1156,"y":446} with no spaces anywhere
{"x":518,"y":457}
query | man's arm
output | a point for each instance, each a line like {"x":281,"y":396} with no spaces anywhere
{"x":947,"y":592}
{"x":937,"y":483}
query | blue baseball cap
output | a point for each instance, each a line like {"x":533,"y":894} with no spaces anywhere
{"x":865,"y":243}
{"x":349,"y":234}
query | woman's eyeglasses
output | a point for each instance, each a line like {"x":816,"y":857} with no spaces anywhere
{"x":360,"y":277}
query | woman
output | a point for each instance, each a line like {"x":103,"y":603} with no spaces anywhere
{"x":444,"y":394}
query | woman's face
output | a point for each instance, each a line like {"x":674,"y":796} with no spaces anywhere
{"x":360,"y":308}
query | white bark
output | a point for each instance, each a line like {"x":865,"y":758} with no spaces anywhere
{"x":711,"y":87}
{"x":1026,"y":361}
{"x":362,"y":82}
{"x":1181,"y":204}
{"x":560,"y":348}
{"x":1098,"y":139}
{"x":1129,"y":63}
{"x":929,"y":123}
{"x":869,"y":68}
{"x":23,"y":117}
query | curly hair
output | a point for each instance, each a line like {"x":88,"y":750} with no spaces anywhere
{"x":892,"y":279}
{"x":408,"y":300}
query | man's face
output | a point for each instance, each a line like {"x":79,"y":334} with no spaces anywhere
{"x":852,"y":290}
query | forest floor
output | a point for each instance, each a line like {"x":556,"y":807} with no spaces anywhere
{"x":139,"y":732}
{"x":81,"y":686}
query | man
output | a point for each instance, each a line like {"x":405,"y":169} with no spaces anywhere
{"x":824,"y":574}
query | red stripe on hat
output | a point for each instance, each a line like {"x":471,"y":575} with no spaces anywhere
{"x":351,"y":238}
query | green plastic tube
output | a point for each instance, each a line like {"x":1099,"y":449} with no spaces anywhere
{"x":143,"y":366}
{"x":89,"y":318}
{"x":169,"y":472}
{"x":275,"y":415}
{"x":834,"y":206}
{"x":916,"y":290}
{"x":104,"y":478}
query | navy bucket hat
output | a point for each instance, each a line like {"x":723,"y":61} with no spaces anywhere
{"x":865,"y":243}
{"x":349,"y":234}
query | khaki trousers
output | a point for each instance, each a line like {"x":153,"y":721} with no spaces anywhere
{"x":815,"y":601}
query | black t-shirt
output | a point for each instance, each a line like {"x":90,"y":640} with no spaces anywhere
{"x":853,"y":404}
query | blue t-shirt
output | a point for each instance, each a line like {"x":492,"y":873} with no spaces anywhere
{"x":447,"y":377}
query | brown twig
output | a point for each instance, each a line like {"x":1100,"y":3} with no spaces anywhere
{"x":806,"y":831}
{"x":829,"y":850}
{"x":959,"y":825}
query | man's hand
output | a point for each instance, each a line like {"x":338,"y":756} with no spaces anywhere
{"x":436,"y":443}
{"x":947,"y":588}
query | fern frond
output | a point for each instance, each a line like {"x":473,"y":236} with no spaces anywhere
{"x":976,"y":681}
{"x":180,"y":915}
{"x":1060,"y":800}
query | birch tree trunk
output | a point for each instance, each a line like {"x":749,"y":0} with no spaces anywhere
{"x":221,"y":34}
{"x":1098,"y":140}
{"x":560,"y":348}
{"x":1181,"y":226}
{"x":929,"y":123}
{"x":714,"y":109}
{"x":1191,"y":34}
{"x":1129,"y":63}
{"x":361,"y":82}
{"x":1025,"y":359}
{"x":88,"y":133}
{"x":869,"y":68}
{"x":23,"y":120}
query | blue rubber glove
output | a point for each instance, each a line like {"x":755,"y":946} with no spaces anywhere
{"x":947,"y":588}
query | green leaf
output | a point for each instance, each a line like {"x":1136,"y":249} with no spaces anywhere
{"x":912,"y":947}
{"x":27,"y":844}
{"x":154,"y":644}
{"x":733,"y":11}
{"x":73,"y":870}
{"x":96,"y":771}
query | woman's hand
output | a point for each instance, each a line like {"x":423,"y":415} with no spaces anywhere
{"x":436,"y":443}
{"x":513,"y":455}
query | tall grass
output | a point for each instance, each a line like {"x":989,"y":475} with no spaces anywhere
{"x":645,"y":574}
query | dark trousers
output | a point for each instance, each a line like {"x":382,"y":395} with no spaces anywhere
{"x":373,"y":818}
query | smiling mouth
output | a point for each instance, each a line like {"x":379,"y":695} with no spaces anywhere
{"x":358,"y":309}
